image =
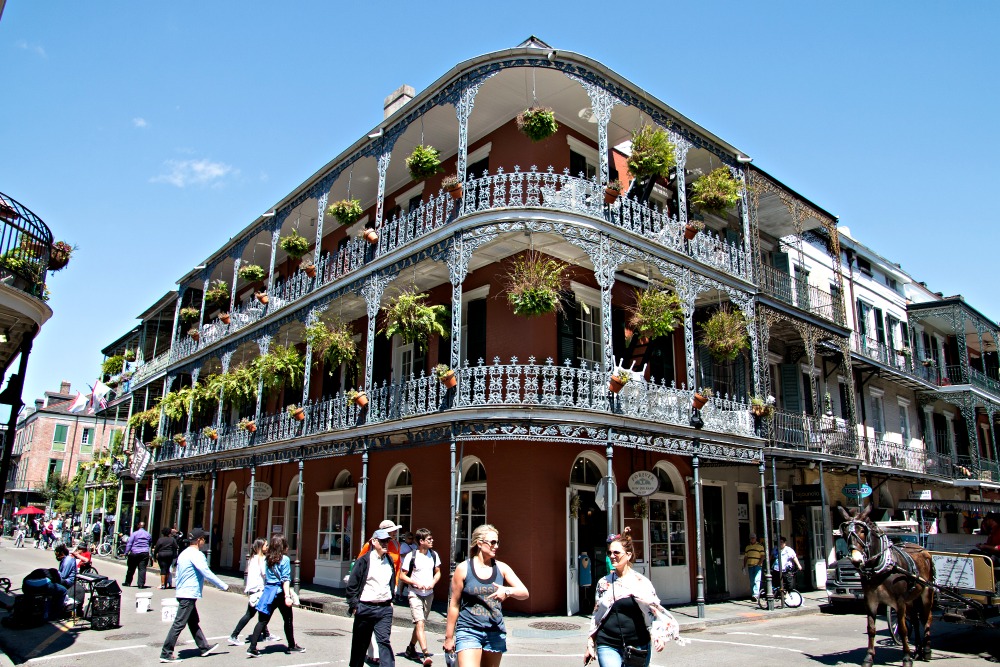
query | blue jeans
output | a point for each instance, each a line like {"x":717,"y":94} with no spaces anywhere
{"x":493,"y":641}
{"x":754,"y":571}
{"x":612,"y":656}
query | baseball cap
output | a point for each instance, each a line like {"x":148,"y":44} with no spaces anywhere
{"x":753,"y":536}
{"x":381,"y":534}
{"x":197,"y":533}
{"x":389,"y":526}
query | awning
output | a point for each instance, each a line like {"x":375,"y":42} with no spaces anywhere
{"x":949,"y":506}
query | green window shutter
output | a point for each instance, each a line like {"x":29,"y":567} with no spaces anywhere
{"x":732,"y":236}
{"x":740,"y":378}
{"x":58,"y":469}
{"x":59,"y":437}
{"x":566,"y":323}
{"x":790,"y":388}
{"x":704,"y":370}
{"x":879,"y":326}
{"x":783,"y":281}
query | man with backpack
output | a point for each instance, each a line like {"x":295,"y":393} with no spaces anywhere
{"x":420,"y":571}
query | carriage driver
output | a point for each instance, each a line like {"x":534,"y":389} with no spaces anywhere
{"x":990,"y":527}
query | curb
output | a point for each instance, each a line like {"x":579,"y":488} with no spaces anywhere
{"x":749,"y":617}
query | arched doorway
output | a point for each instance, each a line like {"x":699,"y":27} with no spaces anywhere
{"x":229,"y":526}
{"x":586,"y":530}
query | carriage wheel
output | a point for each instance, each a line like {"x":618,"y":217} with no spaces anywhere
{"x":892,"y":619}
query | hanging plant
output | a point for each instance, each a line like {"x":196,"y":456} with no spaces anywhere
{"x":210,"y":433}
{"x":190,"y":314}
{"x":408,"y":316}
{"x":129,"y":355}
{"x":294,"y":245}
{"x":59,"y":255}
{"x":537,"y":123}
{"x":282,"y":365}
{"x":156,"y":442}
{"x":725,"y":334}
{"x":716,"y":191}
{"x":251,"y":273}
{"x":652,"y":153}
{"x":534,"y":282}
{"x":237,"y":387}
{"x":218,"y":293}
{"x":113,"y":365}
{"x":423,"y":162}
{"x":655,"y":313}
{"x":346,"y":211}
{"x":333,"y":344}
{"x":150,"y":418}
{"x":175,"y":403}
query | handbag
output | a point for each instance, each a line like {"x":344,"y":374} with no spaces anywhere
{"x":295,"y":597}
{"x":633,"y":657}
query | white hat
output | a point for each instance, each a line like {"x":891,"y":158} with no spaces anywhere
{"x":389,"y":526}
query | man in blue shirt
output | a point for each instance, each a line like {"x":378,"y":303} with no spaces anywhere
{"x":137,"y":554}
{"x":192,"y":570}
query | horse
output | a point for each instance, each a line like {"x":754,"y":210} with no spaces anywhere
{"x":892,"y":575}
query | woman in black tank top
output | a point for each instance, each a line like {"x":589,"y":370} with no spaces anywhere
{"x":475,"y":619}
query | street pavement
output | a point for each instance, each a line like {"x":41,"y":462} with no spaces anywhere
{"x":728,"y":632}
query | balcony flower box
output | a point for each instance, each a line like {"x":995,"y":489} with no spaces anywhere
{"x":210,"y":433}
{"x":248,"y":425}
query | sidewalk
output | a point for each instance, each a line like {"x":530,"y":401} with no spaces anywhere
{"x":328,"y":601}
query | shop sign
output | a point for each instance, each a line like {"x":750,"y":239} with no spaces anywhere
{"x":643,"y":483}
{"x":261,"y":490}
{"x":855,"y":491}
{"x":807,"y":494}
{"x":920,"y":494}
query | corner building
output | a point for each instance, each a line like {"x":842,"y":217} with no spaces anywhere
{"x":530,"y":431}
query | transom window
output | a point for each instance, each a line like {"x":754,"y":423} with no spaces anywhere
{"x":585,"y":472}
{"x":472,"y":507}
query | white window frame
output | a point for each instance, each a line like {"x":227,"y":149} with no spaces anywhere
{"x":590,"y":299}
{"x":335,"y":498}
{"x":85,"y":436}
{"x":402,"y":200}
{"x":465,"y":518}
{"x":56,"y":445}
{"x":399,"y":492}
{"x":904,"y":419}
{"x":477,"y":155}
{"x":401,"y":369}
{"x":589,"y":154}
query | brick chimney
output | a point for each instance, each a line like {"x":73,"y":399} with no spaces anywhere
{"x":64,"y":387}
{"x":39,"y":404}
{"x":397,"y":98}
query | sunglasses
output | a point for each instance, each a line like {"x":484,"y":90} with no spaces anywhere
{"x":492,"y":543}
{"x":617,"y":553}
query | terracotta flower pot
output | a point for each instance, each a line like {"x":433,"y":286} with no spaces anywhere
{"x":616,"y":384}
{"x":182,"y":442}
{"x":371,"y":236}
{"x":699,"y":401}
{"x":690,"y":231}
{"x":449,"y":380}
{"x":757,"y":410}
{"x":310,"y":270}
{"x":194,"y":334}
{"x":262,"y":297}
{"x":299,"y":414}
{"x":456,"y":192}
{"x":251,"y":428}
{"x":361,"y":400}
{"x":214,"y":437}
{"x":611,"y":196}
{"x":225,"y":318}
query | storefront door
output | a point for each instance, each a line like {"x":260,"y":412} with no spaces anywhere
{"x":715,"y":542}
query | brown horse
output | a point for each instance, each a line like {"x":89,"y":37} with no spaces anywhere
{"x":891,"y":575}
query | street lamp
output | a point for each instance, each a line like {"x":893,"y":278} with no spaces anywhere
{"x":698,"y":423}
{"x":72,"y":513}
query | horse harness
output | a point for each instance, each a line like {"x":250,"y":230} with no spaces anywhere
{"x":888,"y":558}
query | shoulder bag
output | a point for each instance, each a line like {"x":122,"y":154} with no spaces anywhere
{"x":633,"y":657}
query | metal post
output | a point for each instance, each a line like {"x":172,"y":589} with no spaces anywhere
{"x":364,"y":493}
{"x":104,"y":509}
{"x":83,"y":510}
{"x":700,"y":578}
{"x":250,"y":521}
{"x":118,"y":517}
{"x":860,"y":499}
{"x":453,"y":528}
{"x":152,"y":507}
{"x":609,"y":499}
{"x":766,"y":572}
{"x":135,"y":501}
{"x":211,"y":518}
{"x":827,"y":526}
{"x":180,"y":505}
{"x":296,"y":576}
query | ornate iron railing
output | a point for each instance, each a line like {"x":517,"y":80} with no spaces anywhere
{"x":800,"y":294}
{"x":802,"y":432}
{"x":885,"y":454}
{"x":967,"y":468}
{"x":882,"y":353}
{"x":486,"y":386}
{"x":25,"y":246}
{"x":147,"y":370}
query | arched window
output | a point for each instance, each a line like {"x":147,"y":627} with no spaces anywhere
{"x":475,"y":473}
{"x":472,"y":504}
{"x":585,"y":472}
{"x":399,"y":497}
{"x":666,"y":484}
{"x":292,"y":514}
{"x":344,"y":480}
{"x":667,"y":520}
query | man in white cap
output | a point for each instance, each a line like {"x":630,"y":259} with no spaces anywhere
{"x":389,"y":526}
{"x":369,"y":600}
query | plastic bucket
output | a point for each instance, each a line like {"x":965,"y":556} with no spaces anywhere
{"x":168,"y":610}
{"x":143,"y":602}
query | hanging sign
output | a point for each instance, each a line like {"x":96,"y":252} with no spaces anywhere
{"x":261,"y":491}
{"x":643,"y":483}
{"x":601,"y":493}
{"x":854,"y":491}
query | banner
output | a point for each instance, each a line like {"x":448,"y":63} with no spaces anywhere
{"x":141,"y":457}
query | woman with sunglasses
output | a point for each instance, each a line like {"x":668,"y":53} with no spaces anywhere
{"x":627,"y":612}
{"x":475,"y":619}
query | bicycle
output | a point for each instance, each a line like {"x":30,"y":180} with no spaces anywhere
{"x":104,"y":548}
{"x":784,"y":596}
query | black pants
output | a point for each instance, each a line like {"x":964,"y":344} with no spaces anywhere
{"x":263,"y":619}
{"x":134,"y":561}
{"x":187,"y":614}
{"x":247,"y":615}
{"x":367,"y":619}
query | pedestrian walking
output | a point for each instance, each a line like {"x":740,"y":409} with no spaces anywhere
{"x":192,"y":570}
{"x":420,"y":572}
{"x":481,"y":583}
{"x":22,"y":528}
{"x":369,"y":600}
{"x":137,"y":554}
{"x":277,"y":595}
{"x":256,"y":567}
{"x":165,"y":551}
{"x":627,"y":613}
{"x":753,"y":563}
{"x":389,"y":526}
{"x":786,"y":563}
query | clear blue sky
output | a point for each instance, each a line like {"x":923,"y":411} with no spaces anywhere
{"x":149,"y":133}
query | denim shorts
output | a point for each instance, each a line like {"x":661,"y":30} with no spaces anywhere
{"x":493,"y":641}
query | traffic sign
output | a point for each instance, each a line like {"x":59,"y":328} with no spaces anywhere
{"x":601,"y":493}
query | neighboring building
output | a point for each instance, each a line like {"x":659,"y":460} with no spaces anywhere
{"x":52,"y":442}
{"x":531,"y":431}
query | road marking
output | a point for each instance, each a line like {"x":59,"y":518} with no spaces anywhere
{"x":762,"y":634}
{"x":73,"y":655}
{"x":61,"y":627}
{"x":716,"y":641}
{"x":310,"y":664}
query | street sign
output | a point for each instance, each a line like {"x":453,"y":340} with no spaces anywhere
{"x":853,"y":491}
{"x":601,"y":493}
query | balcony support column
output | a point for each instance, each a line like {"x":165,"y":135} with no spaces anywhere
{"x":275,"y":237}
{"x":687,"y":303}
{"x":372,"y":291}
{"x":264,"y":342}
{"x":211,"y":517}
{"x":700,"y":549}
{"x":246,"y":535}
{"x":177,"y":317}
{"x":681,"y":148}
{"x":236,"y":276}
{"x":602,"y":103}
{"x":190,"y":415}
{"x":227,"y":358}
{"x":205,"y":275}
{"x":748,"y":249}
{"x":383,"y":166}
{"x":952,"y":434}
{"x":180,"y":504}
{"x":297,"y":563}
{"x":968,"y":410}
{"x":311,"y":319}
{"x":317,"y":255}
{"x":768,"y":588}
{"x":163,"y":415}
{"x":152,"y":507}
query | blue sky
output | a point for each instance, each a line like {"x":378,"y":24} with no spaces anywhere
{"x":147,"y":134}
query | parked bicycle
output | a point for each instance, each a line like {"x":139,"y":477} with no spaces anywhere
{"x":785,"y":595}
{"x":104,"y":548}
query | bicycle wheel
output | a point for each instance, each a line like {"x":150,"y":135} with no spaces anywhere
{"x":793,"y":598}
{"x":762,"y":601}
{"x":89,"y":569}
{"x":104,"y":549}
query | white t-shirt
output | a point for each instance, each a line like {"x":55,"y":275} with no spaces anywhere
{"x":785,"y":560}
{"x":423,"y":570}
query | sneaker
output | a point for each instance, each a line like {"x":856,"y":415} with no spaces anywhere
{"x":210,"y":650}
{"x":753,"y":598}
{"x":234,"y":641}
{"x":253,"y":653}
{"x":272,"y":638}
{"x":411,"y":653}
{"x":295,"y":649}
{"x":170,"y":658}
{"x":427,"y":660}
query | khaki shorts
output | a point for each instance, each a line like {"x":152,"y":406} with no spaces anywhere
{"x":420,"y":607}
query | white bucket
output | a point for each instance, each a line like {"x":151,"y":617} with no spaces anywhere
{"x":143,"y":602}
{"x":168,"y":610}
